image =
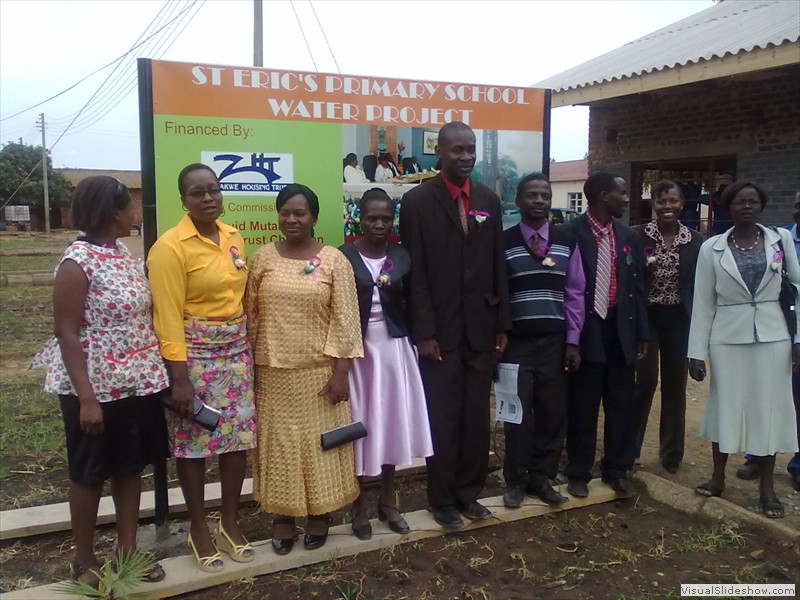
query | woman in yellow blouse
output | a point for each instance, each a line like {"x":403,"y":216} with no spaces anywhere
{"x":198,"y":275}
{"x":305,"y":329}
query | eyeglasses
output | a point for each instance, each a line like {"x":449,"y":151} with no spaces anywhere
{"x":200,"y":194}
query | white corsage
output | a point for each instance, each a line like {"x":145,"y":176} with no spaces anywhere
{"x":548,"y":262}
{"x":777,"y":260}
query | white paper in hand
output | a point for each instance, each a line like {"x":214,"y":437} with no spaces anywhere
{"x":507,"y":405}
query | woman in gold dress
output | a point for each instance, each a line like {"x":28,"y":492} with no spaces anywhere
{"x":303,"y":323}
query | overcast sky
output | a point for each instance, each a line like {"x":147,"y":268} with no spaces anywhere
{"x":45,"y":47}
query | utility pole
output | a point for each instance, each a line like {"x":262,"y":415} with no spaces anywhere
{"x":44,"y":179}
{"x":258,"y":33}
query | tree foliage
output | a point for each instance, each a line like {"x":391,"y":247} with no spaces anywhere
{"x":16,"y":161}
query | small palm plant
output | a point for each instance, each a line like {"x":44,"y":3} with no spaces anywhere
{"x":117,"y":579}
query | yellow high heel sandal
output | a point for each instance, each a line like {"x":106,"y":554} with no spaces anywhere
{"x":242,"y":553}
{"x":207,"y":564}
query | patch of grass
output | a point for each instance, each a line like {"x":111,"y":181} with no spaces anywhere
{"x":26,"y":319}
{"x":57,"y":241}
{"x":31,"y":429}
{"x":28,"y":263}
{"x":710,"y":540}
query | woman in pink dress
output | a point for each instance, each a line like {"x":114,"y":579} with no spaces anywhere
{"x":386,"y":392}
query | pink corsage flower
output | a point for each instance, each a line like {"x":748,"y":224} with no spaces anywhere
{"x":384,"y":279}
{"x":626,"y":250}
{"x":311,"y":267}
{"x":237,"y":259}
{"x":479,"y":215}
{"x":777,"y":259}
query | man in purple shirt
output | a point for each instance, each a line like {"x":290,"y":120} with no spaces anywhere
{"x":546,"y":285}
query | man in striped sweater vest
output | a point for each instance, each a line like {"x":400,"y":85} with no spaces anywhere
{"x":546,"y":286}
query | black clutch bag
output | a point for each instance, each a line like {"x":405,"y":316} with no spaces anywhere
{"x":349,"y":433}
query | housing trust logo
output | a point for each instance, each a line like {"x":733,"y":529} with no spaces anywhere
{"x":250,"y":173}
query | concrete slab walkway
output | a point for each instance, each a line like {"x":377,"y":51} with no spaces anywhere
{"x":183,"y":576}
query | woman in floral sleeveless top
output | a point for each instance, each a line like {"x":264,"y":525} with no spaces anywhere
{"x":105,"y":366}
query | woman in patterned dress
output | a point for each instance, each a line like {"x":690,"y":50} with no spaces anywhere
{"x":670,"y":260}
{"x":304,"y":324}
{"x":104,"y":364}
{"x":198,"y":274}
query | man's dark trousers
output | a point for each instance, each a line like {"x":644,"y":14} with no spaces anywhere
{"x":457,"y":389}
{"x":534,"y":446}
{"x":612,"y":381}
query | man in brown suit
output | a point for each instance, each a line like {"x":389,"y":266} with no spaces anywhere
{"x":452,"y":226}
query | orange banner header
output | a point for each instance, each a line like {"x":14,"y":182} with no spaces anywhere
{"x":258,"y":93}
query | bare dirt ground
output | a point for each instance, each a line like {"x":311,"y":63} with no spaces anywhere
{"x":633,"y":549}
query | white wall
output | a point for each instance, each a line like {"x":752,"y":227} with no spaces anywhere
{"x":561,"y":189}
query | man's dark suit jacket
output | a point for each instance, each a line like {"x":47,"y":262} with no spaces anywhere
{"x":687,"y":253}
{"x":631,"y":298}
{"x":458,"y":282}
{"x":393,"y":298}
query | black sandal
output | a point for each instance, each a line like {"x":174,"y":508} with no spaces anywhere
{"x":156,"y":573}
{"x":709,"y":490}
{"x":772,"y":504}
{"x":76,"y":570}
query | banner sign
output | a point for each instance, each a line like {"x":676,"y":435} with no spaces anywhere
{"x":261,"y":129}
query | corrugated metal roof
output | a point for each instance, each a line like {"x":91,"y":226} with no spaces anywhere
{"x":130,"y":179}
{"x":729,"y":27}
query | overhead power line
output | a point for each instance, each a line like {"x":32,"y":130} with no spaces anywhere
{"x":304,"y":35}
{"x":98,"y":113}
{"x":322,"y":29}
{"x":105,"y":66}
{"x":105,"y":81}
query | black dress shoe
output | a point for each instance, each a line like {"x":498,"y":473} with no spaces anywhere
{"x":577,"y":488}
{"x":671,"y":467}
{"x":622,"y":486}
{"x":282,"y":546}
{"x":362,"y":532}
{"x":545,"y":492}
{"x":474,"y":511}
{"x":313,"y":541}
{"x":399,"y":526}
{"x":514,"y":497}
{"x":749,"y":471}
{"x":447,"y":517}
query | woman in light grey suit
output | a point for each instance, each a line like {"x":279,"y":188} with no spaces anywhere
{"x":738,"y":323}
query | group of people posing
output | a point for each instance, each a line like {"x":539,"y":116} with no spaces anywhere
{"x":303,"y":339}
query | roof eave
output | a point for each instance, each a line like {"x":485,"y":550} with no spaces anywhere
{"x":757,"y":59}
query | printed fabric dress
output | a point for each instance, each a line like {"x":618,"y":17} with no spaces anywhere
{"x":116,"y":335}
{"x":386,"y":394}
{"x":300,"y":321}
{"x":198,"y":287}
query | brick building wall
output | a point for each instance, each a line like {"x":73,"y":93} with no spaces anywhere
{"x":756,"y":119}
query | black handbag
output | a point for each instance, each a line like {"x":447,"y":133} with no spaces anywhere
{"x":349,"y":433}
{"x":788,"y":297}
